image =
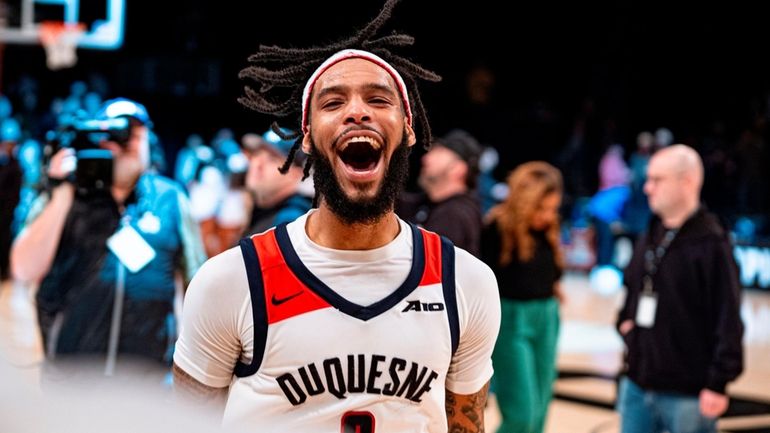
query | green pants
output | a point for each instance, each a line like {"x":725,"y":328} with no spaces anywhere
{"x":525,"y":363}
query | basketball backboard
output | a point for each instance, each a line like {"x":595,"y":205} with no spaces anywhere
{"x":20,"y":21}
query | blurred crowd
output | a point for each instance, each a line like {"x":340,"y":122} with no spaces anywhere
{"x":603,"y":203}
{"x":218,"y":189}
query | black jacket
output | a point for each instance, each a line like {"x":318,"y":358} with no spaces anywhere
{"x":457,"y":217}
{"x":76,"y":298}
{"x":695,"y":342}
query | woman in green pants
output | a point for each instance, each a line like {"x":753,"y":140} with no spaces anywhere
{"x":521,"y":243}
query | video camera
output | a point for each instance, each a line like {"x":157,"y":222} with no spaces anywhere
{"x":94,"y":164}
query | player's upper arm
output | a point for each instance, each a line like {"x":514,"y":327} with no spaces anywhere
{"x":194,"y":391}
{"x":478,"y":304}
{"x":216,"y":326}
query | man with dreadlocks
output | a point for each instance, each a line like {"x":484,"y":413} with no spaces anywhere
{"x":348,"y":318}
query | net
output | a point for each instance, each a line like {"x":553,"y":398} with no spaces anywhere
{"x":60,"y":41}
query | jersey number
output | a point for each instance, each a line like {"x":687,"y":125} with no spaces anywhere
{"x":357,"y":422}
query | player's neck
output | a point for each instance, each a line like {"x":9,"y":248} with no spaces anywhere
{"x":325,"y":228}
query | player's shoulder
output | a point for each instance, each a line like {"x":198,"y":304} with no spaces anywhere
{"x":478,"y":297}
{"x":469,"y":270}
{"x":222,"y":272}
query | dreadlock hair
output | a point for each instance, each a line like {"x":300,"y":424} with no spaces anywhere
{"x":277,"y":76}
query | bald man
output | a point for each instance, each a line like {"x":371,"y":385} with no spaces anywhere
{"x":681,"y":319}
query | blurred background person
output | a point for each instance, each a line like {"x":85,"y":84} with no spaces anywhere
{"x":277,"y":197}
{"x":110,"y":247}
{"x":663,"y":138}
{"x":450,"y":205}
{"x":215,"y":177}
{"x":189,"y":158}
{"x":30,"y":158}
{"x":681,"y":318}
{"x":607,"y":206}
{"x":234,"y":210}
{"x":636,"y":214}
{"x":520,"y":242}
{"x":10,"y":186}
{"x":207,"y":189}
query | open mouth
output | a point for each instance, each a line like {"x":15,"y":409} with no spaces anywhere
{"x":361,"y":154}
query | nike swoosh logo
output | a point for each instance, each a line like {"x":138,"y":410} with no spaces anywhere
{"x":279,"y":301}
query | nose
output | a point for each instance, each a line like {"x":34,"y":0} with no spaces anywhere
{"x":647,"y":187}
{"x":358,"y":111}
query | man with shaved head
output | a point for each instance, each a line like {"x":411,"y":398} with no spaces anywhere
{"x":681,"y":319}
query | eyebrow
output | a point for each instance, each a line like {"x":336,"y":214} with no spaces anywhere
{"x":344,"y":89}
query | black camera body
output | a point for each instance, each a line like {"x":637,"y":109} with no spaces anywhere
{"x":94,"y":164}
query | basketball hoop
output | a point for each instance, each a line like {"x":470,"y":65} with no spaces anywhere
{"x":60,"y":41}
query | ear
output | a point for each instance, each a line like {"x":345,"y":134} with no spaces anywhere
{"x":460,"y":168}
{"x":411,"y":138}
{"x":307,"y":146}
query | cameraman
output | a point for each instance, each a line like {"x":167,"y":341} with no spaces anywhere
{"x":108,"y":260}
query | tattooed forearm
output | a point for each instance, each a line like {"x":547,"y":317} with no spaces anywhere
{"x":451,"y":403}
{"x":465,"y":413}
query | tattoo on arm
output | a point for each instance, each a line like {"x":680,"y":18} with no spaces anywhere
{"x":196,"y":393}
{"x":465,"y":413}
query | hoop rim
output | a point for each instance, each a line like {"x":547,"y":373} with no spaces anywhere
{"x":51,"y":31}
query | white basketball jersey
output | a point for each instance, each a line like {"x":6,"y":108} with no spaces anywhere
{"x":324,"y":364}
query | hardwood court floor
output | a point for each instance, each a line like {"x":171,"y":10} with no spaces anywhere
{"x":590,"y":355}
{"x":589,"y":358}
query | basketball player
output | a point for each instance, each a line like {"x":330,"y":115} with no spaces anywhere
{"x":347,"y":319}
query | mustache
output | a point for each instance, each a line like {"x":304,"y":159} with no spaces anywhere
{"x":337,"y":139}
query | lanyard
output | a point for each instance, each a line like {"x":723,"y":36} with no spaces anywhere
{"x":653,"y":257}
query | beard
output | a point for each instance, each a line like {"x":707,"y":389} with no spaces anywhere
{"x":367,"y":210}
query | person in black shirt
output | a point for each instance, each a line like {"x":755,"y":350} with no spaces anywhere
{"x":110,"y":255}
{"x":450,"y":205}
{"x":277,"y":197}
{"x":520,"y":242}
{"x":681,"y":318}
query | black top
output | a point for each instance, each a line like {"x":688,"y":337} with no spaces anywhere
{"x":286,"y":211}
{"x":519,"y":280}
{"x":458,"y":217}
{"x":695,"y":342}
{"x":80,"y":286}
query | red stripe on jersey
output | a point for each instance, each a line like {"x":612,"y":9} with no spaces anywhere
{"x":432,"y":244}
{"x":285,"y":295}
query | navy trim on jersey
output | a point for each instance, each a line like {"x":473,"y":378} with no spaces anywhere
{"x":448,"y":284}
{"x":258,"y":308}
{"x":333,"y":298}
